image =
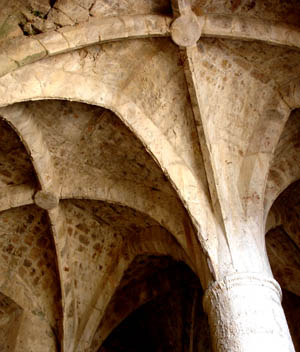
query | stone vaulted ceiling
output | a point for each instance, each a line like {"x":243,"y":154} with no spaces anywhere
{"x":140,"y":155}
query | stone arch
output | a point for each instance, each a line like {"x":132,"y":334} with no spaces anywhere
{"x":70,"y":38}
{"x":16,"y":197}
{"x":283,"y":247}
{"x":284,"y":212}
{"x":130,"y":194}
{"x":291,"y":93}
{"x":32,"y":323}
{"x":81,"y":227}
{"x":28,"y":252}
{"x":263,"y":141}
{"x":16,"y":289}
{"x":155,"y":242}
{"x":30,"y":134}
{"x":58,"y":84}
{"x":89,"y":237}
{"x":285,"y":166}
{"x":140,"y":285}
{"x":177,"y":224}
{"x":17,"y":174}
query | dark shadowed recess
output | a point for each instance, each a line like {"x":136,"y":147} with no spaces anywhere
{"x":172,"y":321}
{"x":10,"y":319}
{"x":15,"y":164}
{"x":284,"y":255}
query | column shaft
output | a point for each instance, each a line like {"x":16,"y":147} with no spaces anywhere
{"x":245,"y":315}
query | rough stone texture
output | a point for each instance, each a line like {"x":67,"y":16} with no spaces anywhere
{"x":83,"y":139}
{"x":10,"y":319}
{"x":114,"y":7}
{"x":25,"y":18}
{"x":46,"y":200}
{"x":186,"y":30}
{"x":274,"y":10}
{"x":237,"y":326}
{"x":27,"y":249}
{"x":15,"y":165}
{"x":240,"y":148}
{"x":101,"y":251}
{"x":146,"y":156}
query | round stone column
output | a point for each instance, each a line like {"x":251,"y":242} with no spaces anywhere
{"x":245,"y":315}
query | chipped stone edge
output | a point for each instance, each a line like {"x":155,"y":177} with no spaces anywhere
{"x":271,"y":32}
{"x":26,"y":50}
{"x":16,"y":196}
{"x":108,"y":29}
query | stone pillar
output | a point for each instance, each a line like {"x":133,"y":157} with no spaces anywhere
{"x":245,"y":315}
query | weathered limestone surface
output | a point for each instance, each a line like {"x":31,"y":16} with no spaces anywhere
{"x":240,"y":148}
{"x":46,"y":200}
{"x":285,"y":164}
{"x":11,"y":315}
{"x":254,"y":326}
{"x":148,"y":149}
{"x":172,"y":140}
{"x":275,"y":10}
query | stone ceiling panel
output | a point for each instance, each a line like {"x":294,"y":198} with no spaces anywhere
{"x":27,"y":249}
{"x":88,"y":140}
{"x":30,"y":17}
{"x":103,"y":239}
{"x":265,"y":62}
{"x":15,"y":164}
{"x":271,"y":10}
{"x":10,"y":319}
{"x":139,"y":157}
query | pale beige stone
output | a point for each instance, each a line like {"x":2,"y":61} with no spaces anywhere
{"x":186,"y":29}
{"x":53,"y":42}
{"x":252,"y":327}
{"x":59,"y":18}
{"x":46,"y":200}
{"x":6,"y":65}
{"x":137,"y":167}
{"x":25,"y":50}
{"x":72,"y":10}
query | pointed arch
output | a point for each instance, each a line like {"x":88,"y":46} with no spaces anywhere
{"x":43,"y":80}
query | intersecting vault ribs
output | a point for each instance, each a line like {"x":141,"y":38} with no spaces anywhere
{"x":199,"y":161}
{"x":186,"y":29}
{"x":46,"y":200}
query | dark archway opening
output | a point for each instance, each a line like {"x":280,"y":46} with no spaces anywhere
{"x":173,"y":320}
{"x":283,"y":247}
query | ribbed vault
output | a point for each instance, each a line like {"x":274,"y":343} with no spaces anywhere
{"x":116,"y":205}
{"x":140,"y":159}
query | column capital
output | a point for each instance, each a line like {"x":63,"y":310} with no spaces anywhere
{"x":245,"y":314}
{"x":241,"y":279}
